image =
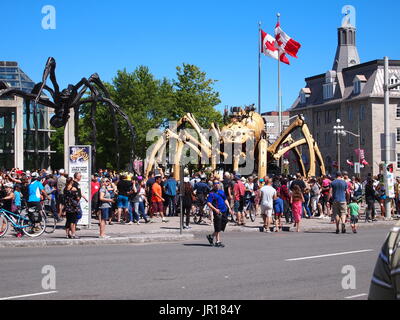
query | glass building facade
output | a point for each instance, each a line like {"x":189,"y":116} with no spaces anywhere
{"x":13,"y":120}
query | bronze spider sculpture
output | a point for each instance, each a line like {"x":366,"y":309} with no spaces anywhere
{"x":70,"y":98}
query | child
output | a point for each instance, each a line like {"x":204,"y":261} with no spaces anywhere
{"x":354,"y":209}
{"x":278,"y":210}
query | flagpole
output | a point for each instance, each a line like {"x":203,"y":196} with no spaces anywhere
{"x":279,"y":85}
{"x":259,"y":67}
{"x":278,"y":15}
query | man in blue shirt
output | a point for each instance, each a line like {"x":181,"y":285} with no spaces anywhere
{"x":338,"y":190}
{"x":35,"y":190}
{"x":170,"y":193}
{"x":219,"y":204}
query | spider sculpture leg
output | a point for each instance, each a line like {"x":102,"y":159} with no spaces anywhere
{"x":97,"y":88}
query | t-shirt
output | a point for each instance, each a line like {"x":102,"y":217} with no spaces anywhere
{"x":339,"y":188}
{"x":217,"y":199}
{"x":239,"y":190}
{"x":107,"y":195}
{"x":325,"y":186}
{"x":75,"y":185}
{"x":95,"y":187}
{"x":156,"y":188}
{"x":354,"y":208}
{"x":170,"y":187}
{"x":124,"y":186}
{"x":201,"y":188}
{"x":17,"y":198}
{"x":61,"y":182}
{"x":34,"y":191}
{"x":267,"y":196}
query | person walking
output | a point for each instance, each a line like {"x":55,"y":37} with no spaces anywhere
{"x":170,"y":193}
{"x":354,"y":210}
{"x":338,"y":193}
{"x":219,"y":204}
{"x":297,"y":200}
{"x":370,"y":196}
{"x":157,"y":199}
{"x":105,"y":205}
{"x":72,"y":207}
{"x":239,"y":192}
{"x":187,"y":200}
{"x":268,"y":195}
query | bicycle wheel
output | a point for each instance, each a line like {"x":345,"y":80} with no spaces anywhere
{"x":33,"y":230}
{"x":197,"y":216}
{"x":3,"y":226}
{"x":51,"y":223}
{"x":252,"y":212}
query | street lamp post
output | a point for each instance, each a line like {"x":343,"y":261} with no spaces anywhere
{"x":338,"y":130}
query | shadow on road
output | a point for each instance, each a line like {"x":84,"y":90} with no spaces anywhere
{"x":196,"y":245}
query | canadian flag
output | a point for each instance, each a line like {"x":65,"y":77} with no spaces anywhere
{"x":270,"y":49}
{"x":286,"y":43}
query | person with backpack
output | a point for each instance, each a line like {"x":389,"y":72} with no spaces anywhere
{"x":219,"y":204}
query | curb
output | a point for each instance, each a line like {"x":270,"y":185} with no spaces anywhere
{"x":94,"y":241}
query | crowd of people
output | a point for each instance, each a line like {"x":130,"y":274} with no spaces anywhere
{"x":125,"y":198}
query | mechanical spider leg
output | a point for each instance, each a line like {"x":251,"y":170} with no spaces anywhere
{"x":94,"y":134}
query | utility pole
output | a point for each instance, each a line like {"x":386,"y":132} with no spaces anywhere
{"x":386,"y":88}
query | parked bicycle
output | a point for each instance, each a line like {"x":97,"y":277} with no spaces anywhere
{"x":47,"y":215}
{"x":31,"y":224}
{"x":250,"y":208}
{"x":201,"y":213}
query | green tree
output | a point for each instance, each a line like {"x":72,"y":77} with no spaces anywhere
{"x":196,"y":94}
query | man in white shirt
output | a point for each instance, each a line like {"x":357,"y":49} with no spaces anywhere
{"x":268,"y":195}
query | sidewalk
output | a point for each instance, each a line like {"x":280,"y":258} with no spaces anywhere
{"x":163,"y":232}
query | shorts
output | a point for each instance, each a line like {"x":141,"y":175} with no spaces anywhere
{"x":239,"y":205}
{"x":354,"y":219}
{"x":157,"y":207}
{"x":339,"y":209}
{"x":122,"y":202}
{"x":60,"y":199}
{"x":105,"y":213}
{"x":266,"y":211}
{"x":220,"y":221}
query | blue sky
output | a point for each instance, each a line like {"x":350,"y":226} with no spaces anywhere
{"x":219,"y":36}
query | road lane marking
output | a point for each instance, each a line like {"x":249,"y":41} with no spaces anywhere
{"x":29,"y":295}
{"x":329,"y":255}
{"x":356,"y":296}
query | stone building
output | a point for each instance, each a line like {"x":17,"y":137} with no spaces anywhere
{"x":272,"y":124}
{"x":352,"y":92}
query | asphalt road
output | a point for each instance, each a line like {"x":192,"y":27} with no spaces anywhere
{"x":251,"y":266}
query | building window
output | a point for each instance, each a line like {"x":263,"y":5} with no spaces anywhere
{"x":329,"y":90}
{"x":362,"y":138}
{"x":362,"y":112}
{"x":398,"y":135}
{"x":350,"y":139}
{"x":350,"y":113}
{"x":394,"y":80}
{"x":327,"y":117}
{"x":318,"y":118}
{"x":398,"y":161}
{"x":398,"y":111}
{"x":357,"y":87}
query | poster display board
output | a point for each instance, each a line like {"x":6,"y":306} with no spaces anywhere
{"x":80,"y":159}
